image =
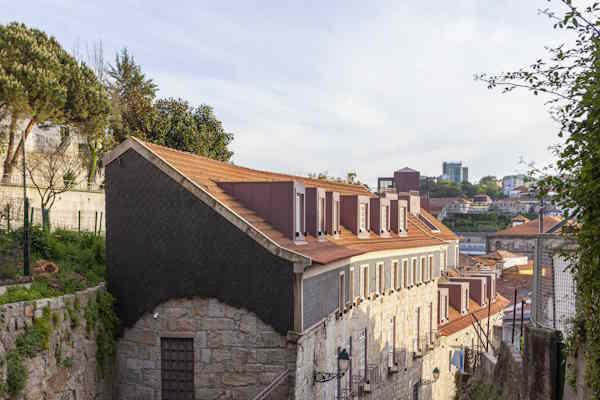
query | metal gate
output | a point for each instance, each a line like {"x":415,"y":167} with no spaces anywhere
{"x":177,"y":368}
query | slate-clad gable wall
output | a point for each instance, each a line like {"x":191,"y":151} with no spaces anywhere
{"x":165,"y":243}
{"x":321,"y":291}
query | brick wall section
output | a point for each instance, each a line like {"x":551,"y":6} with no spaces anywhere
{"x":235,"y":353}
{"x":48,"y":378}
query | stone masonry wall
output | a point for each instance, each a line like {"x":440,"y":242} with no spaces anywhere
{"x":68,"y":370}
{"x":317,"y":348}
{"x":235,"y":354}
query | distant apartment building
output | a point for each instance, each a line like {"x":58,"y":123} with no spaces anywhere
{"x":455,"y":172}
{"x":511,"y":182}
{"x":244,"y":284}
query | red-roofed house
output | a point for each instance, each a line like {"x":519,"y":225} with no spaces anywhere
{"x":265,"y":282}
{"x":520,"y":239}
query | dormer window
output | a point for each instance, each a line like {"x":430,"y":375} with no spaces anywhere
{"x":299,"y":220}
{"x":355,"y":214}
{"x":363,"y":215}
{"x":332,"y":214}
{"x":385,"y":219}
{"x":402,"y":219}
{"x":336,"y":217}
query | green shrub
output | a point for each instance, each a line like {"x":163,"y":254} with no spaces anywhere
{"x":16,"y":374}
{"x":37,"y":337}
{"x":66,"y":362}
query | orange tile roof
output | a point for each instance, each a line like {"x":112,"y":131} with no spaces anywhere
{"x":457,"y":322}
{"x":531,"y":227}
{"x":207,"y":173}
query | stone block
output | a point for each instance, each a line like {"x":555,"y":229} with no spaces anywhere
{"x":151,"y":377}
{"x":205,"y":356}
{"x":201,"y":339}
{"x":248,"y":323}
{"x":217,"y":324}
{"x":215,"y":308}
{"x":28,"y":310}
{"x":142,"y":337}
{"x":234,"y":338}
{"x":237,"y":379}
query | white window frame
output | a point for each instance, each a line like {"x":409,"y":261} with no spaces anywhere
{"x":430,"y":262}
{"x":396,"y":278}
{"x":351,"y":289}
{"x":321,"y":215}
{"x":406,"y":273}
{"x":380,"y":277}
{"x":423,"y":269}
{"x":364,"y":283}
{"x":299,"y":222}
{"x":363,"y":207}
{"x":414,"y":264}
{"x":342,"y":291}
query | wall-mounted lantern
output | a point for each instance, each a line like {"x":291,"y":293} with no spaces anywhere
{"x":343,"y":364}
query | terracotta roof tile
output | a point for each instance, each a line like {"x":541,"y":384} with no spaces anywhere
{"x":207,"y":173}
{"x":531,"y":227}
{"x":457,"y":322}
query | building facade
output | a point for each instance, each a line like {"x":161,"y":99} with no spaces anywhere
{"x":241,"y":284}
{"x":511,"y":182}
{"x":455,"y":172}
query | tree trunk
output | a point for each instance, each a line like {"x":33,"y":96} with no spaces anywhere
{"x":9,"y":148}
{"x":92,"y":166}
{"x":10,"y":163}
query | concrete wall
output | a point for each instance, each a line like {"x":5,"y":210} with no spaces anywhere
{"x":49,"y":376}
{"x":64,"y":213}
{"x":235,"y":353}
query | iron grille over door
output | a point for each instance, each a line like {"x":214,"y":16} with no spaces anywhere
{"x":177,"y":368}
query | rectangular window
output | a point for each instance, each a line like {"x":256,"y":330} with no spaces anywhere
{"x":342,"y":292}
{"x":396,"y":275}
{"x":385,"y":215}
{"x":415,"y":271}
{"x":362,"y":217}
{"x":446,"y":308}
{"x":380,"y":278}
{"x":430,"y":267}
{"x":336,"y":217}
{"x":419,"y":347}
{"x":299,"y":214}
{"x":351,"y":293}
{"x":362,"y":359}
{"x":467,"y":299}
{"x":392,"y":342}
{"x":430,"y":322}
{"x":405,"y":274}
{"x":423,"y":270}
{"x":322,"y":215}
{"x":402,"y":221}
{"x":457,"y":261}
{"x":177,"y":368}
{"x":364,"y":287}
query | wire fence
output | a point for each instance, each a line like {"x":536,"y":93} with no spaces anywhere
{"x":11,"y":217}
{"x":553,"y":284}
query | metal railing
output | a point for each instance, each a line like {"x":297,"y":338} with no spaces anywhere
{"x":273,"y":386}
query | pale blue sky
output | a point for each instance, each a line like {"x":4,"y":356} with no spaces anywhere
{"x":334,"y":85}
